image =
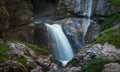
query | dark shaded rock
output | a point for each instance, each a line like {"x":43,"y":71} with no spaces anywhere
{"x":93,"y":32}
{"x":12,"y":66}
{"x":40,"y":36}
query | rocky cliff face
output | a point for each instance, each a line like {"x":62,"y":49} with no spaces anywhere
{"x":77,"y":7}
{"x":15,"y":16}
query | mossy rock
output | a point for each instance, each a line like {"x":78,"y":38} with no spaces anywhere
{"x":111,"y":36}
{"x":95,"y":65}
{"x":37,"y":49}
{"x":25,"y":62}
{"x":3,"y":10}
{"x":115,"y":2}
{"x":115,"y":16}
{"x":3,"y":52}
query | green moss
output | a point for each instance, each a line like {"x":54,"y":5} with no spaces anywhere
{"x":62,"y":11}
{"x":3,"y":52}
{"x":38,"y":50}
{"x":109,"y":21}
{"x":95,"y":65}
{"x":111,"y":36}
{"x":115,"y":2}
{"x":3,"y":10}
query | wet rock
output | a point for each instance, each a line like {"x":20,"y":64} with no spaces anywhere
{"x":44,"y":60}
{"x":75,"y":28}
{"x":37,"y":69}
{"x":78,"y":7}
{"x":93,"y":32}
{"x":102,"y":7}
{"x":54,"y":68}
{"x":111,"y":67}
{"x":73,"y":69}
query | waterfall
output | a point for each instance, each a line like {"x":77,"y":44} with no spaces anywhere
{"x":87,"y":13}
{"x":61,"y":49}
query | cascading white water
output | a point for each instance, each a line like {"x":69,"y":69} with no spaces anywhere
{"x":62,"y":49}
{"x":87,"y":13}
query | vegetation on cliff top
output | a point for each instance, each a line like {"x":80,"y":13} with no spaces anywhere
{"x":111,"y":36}
{"x":115,"y":3}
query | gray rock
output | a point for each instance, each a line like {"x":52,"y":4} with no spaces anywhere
{"x":37,"y":69}
{"x":111,"y":67}
{"x":73,"y":69}
{"x":93,"y":32}
{"x":79,"y":6}
{"x":97,"y":51}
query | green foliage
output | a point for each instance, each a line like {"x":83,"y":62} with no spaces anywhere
{"x":111,"y":36}
{"x":62,"y":11}
{"x":3,"y":10}
{"x":115,"y":2}
{"x":109,"y":21}
{"x":3,"y":52}
{"x":38,"y":50}
{"x":24,"y":7}
{"x":95,"y":65}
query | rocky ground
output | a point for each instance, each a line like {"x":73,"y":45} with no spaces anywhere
{"x":23,"y":58}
